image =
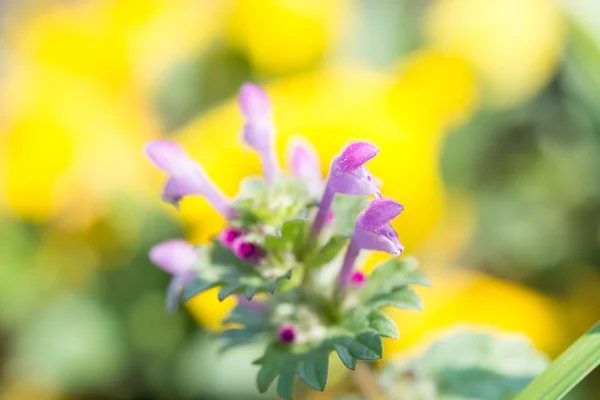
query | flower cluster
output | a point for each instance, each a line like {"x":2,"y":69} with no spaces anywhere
{"x":296,"y":237}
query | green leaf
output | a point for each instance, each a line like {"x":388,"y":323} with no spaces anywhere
{"x":285,"y":383}
{"x":294,"y":233}
{"x":266,"y":375}
{"x":404,"y":298}
{"x":344,"y":354}
{"x":243,"y":316}
{"x":383,"y":324}
{"x":313,"y":368}
{"x":346,"y":209}
{"x":326,"y":254}
{"x":250,"y":291}
{"x":466,"y":365}
{"x":228,"y":289}
{"x":274,"y":243}
{"x":567,"y":370}
{"x":365,"y":346}
{"x":196,"y":287}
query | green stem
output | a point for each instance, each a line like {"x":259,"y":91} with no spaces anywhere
{"x":367,"y":382}
{"x":567,"y":370}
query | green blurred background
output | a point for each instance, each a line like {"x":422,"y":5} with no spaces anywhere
{"x":487,"y":113}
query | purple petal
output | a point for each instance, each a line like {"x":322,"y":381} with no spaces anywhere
{"x":355,"y":155}
{"x":175,"y":288}
{"x":174,"y":256}
{"x":385,"y":239}
{"x":358,"y":182}
{"x":304,"y":162}
{"x":379,"y":213}
{"x":167,"y":155}
{"x":254,"y":102}
{"x":178,"y":187}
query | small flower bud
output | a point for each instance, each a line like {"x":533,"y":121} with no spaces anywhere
{"x":228,"y":236}
{"x":287,"y":334}
{"x":246,"y":250}
{"x":358,"y":278}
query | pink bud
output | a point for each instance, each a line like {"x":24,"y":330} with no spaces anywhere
{"x":246,"y":250}
{"x":358,"y":278}
{"x":287,"y":334}
{"x":228,"y":236}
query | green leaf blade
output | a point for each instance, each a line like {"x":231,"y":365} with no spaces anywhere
{"x":567,"y":370}
{"x":313,"y":368}
{"x":383,"y":324}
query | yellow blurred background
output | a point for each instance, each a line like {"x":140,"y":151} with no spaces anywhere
{"x":486,"y":111}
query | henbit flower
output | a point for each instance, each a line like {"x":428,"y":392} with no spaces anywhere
{"x":228,"y":236}
{"x":372,"y":231}
{"x":247,"y":251}
{"x":259,"y":130}
{"x":347,"y":175}
{"x":304,"y":163}
{"x":186,"y":176}
{"x":287,"y":334}
{"x":177,"y":257}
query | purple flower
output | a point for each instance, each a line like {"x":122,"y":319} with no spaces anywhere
{"x":347,"y":175}
{"x":247,"y":251}
{"x":304,"y":163}
{"x":287,"y":334}
{"x":186,"y":176}
{"x":259,"y":130}
{"x":372,"y":231}
{"x":177,"y":257}
{"x":228,"y":236}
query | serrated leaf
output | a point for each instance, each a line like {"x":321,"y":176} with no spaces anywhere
{"x":326,"y":254}
{"x":313,"y":368}
{"x":404,"y":298}
{"x":239,"y":336}
{"x":345,"y":356}
{"x":266,"y":375}
{"x":196,"y":287}
{"x":383,"y":324}
{"x":250,"y":291}
{"x":366,"y":346}
{"x":285,"y":383}
{"x":243,"y":316}
{"x":228,"y":289}
{"x":220,"y":256}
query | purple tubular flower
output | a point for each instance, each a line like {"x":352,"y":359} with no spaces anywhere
{"x":372,"y":231}
{"x":259,"y":131}
{"x":186,"y":177}
{"x":287,"y":334}
{"x":176,"y":257}
{"x":246,"y":250}
{"x":228,"y":236}
{"x":347,"y":175}
{"x":304,"y":163}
